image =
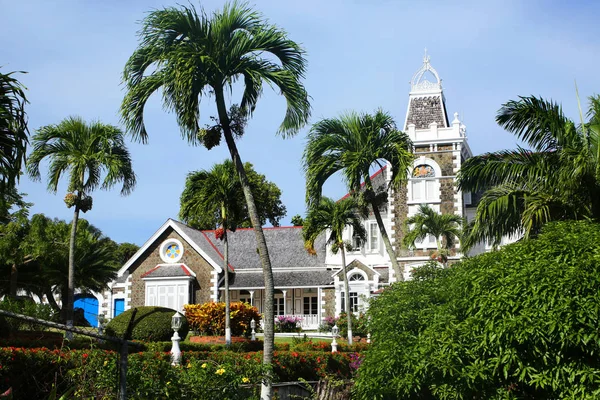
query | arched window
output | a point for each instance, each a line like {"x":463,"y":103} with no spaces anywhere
{"x":424,"y":186}
{"x":356,"y":277}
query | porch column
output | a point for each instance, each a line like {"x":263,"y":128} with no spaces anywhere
{"x":319,"y":304}
{"x":284,"y":301}
{"x":252,"y":297}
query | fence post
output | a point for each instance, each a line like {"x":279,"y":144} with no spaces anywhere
{"x":123,"y":371}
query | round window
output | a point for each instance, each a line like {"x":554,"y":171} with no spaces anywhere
{"x":171,"y":251}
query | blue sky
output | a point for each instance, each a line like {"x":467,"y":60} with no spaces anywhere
{"x":361,"y":56}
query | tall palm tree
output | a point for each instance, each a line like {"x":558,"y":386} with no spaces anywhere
{"x":85,"y":152}
{"x":353,"y":143}
{"x":219,"y":192}
{"x":558,"y":179}
{"x":189,"y":54}
{"x":13,"y":131}
{"x":446,"y":228}
{"x":333,"y":217}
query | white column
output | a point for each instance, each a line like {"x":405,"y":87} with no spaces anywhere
{"x":320,"y":304}
{"x":284,"y":301}
{"x":252,"y":297}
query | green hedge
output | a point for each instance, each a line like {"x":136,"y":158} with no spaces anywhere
{"x":151,"y":324}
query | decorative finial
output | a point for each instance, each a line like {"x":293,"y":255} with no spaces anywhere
{"x":426,"y":57}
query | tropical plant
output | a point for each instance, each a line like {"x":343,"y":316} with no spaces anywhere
{"x":85,"y":152}
{"x":445,"y":228}
{"x":353,"y":143}
{"x":147,"y":323}
{"x":333,"y":217}
{"x":44,"y":254}
{"x":13,"y":131}
{"x":520,"y":322}
{"x":268,"y":203}
{"x":188,"y":54}
{"x":558,"y":179}
{"x":215,"y":192}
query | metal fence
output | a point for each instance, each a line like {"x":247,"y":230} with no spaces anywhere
{"x":49,"y":334}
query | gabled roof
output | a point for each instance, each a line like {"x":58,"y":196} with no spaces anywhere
{"x":355,"y":264}
{"x":285,"y":244}
{"x":377,"y":179}
{"x":282,"y":279}
{"x":189,"y":235}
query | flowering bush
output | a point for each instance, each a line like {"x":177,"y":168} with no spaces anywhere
{"x":327,"y":324}
{"x":359,"y":325}
{"x":93,"y":373}
{"x":209,"y":318}
{"x":287,"y":323}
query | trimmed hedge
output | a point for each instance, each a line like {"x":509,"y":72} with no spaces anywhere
{"x":150,"y":324}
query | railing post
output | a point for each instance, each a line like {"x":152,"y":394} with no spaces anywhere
{"x":123,"y":371}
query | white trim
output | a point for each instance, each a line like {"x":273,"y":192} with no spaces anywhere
{"x":171,"y":278}
{"x":163,"y":248}
{"x":168,"y":224}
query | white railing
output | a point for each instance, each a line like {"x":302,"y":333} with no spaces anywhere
{"x":308,"y":321}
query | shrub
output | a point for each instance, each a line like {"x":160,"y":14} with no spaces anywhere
{"x":27,"y":307}
{"x":327,"y":324}
{"x":359,"y":325}
{"x":152,"y":324}
{"x":209,"y":318}
{"x":521,"y":322}
{"x":286,"y":323}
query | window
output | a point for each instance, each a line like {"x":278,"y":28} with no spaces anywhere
{"x":424,"y":190}
{"x":429,"y":241}
{"x":310,"y":305}
{"x":353,"y":302}
{"x":356,"y":277}
{"x":354,"y":240}
{"x":373,"y":237}
{"x":278,"y":306}
{"x":245,"y":296}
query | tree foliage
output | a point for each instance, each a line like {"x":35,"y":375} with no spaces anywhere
{"x":353,"y":144}
{"x":266,"y":194}
{"x":13,"y":130}
{"x":521,"y":322}
{"x":557,"y":179}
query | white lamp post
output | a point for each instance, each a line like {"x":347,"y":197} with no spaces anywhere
{"x":334,"y":332}
{"x":253,"y":326}
{"x":176,"y":321}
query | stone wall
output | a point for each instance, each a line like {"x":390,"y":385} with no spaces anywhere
{"x":151,"y":258}
{"x":329,"y":307}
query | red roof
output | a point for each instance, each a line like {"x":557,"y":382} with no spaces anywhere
{"x":363,"y":184}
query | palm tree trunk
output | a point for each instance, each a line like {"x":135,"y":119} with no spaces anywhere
{"x":266,"y":392}
{"x":384,"y":235}
{"x":51,"y":300}
{"x":68,"y":308}
{"x":14,"y":273}
{"x":347,"y":294}
{"x":226,"y":271}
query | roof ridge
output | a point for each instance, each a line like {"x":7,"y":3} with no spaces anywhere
{"x":264,"y":228}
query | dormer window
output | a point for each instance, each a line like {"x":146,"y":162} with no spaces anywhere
{"x":424,"y":182}
{"x":356,"y":277}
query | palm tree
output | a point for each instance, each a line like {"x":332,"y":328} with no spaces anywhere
{"x":353,"y":143}
{"x":189,"y":54}
{"x":13,"y":131}
{"x":219,"y":192}
{"x":444,"y":227}
{"x":85,"y":152}
{"x":558,"y":179}
{"x":333,"y":217}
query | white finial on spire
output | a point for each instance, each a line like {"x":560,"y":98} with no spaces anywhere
{"x":420,"y":83}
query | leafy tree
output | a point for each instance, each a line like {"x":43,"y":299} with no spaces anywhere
{"x":13,"y":131}
{"x":333,"y":217}
{"x":216,"y":192}
{"x":268,"y":204}
{"x":558,"y":179}
{"x":517,"y":323}
{"x":444,"y":227}
{"x":353,"y":144}
{"x":188,"y":54}
{"x":85,"y":152}
{"x":43,"y":256}
{"x":125,"y":251}
{"x":297,"y":220}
